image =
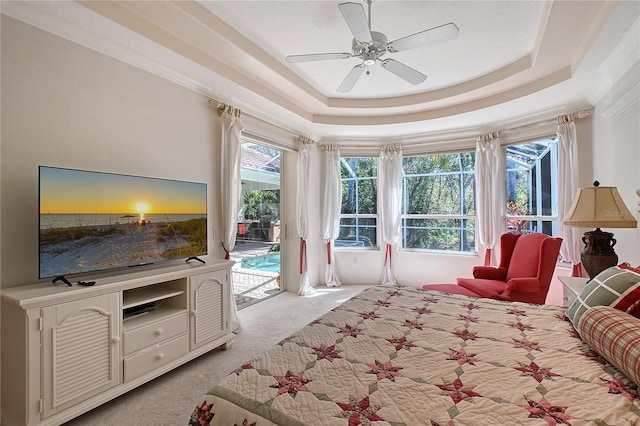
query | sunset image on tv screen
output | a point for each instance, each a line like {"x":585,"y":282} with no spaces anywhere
{"x":91,"y":221}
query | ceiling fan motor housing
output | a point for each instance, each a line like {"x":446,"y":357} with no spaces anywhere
{"x":375,"y":49}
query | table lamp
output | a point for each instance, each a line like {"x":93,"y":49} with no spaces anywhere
{"x":599,"y":207}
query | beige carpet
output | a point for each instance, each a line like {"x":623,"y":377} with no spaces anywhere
{"x":170,"y":399}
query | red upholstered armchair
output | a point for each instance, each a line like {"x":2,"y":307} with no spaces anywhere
{"x":527,"y":262}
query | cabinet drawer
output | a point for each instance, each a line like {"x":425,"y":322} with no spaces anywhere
{"x":154,"y":333}
{"x":155,"y":357}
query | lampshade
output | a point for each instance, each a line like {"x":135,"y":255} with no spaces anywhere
{"x":599,"y":207}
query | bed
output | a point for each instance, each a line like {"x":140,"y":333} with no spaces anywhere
{"x":406,"y":356}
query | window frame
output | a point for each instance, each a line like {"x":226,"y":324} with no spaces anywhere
{"x":553,"y":218}
{"x":510,"y":137}
{"x":358,"y":216}
{"x":462,"y":217}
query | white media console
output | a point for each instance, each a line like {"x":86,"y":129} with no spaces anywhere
{"x":66,"y":350}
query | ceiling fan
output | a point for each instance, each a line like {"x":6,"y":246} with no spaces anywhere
{"x":370,"y":46}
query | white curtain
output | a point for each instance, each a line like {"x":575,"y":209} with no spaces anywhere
{"x":304,"y":161}
{"x":567,"y":187}
{"x":331,"y":210}
{"x":390,"y":205}
{"x":489,"y":193}
{"x":231,"y":188}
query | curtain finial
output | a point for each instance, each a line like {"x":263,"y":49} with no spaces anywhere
{"x":568,"y":118}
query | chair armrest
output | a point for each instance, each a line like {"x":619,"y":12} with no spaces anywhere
{"x":522,"y":285}
{"x":490,"y":273}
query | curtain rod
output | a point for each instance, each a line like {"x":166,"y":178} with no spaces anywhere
{"x":441,"y":145}
{"x":563,"y":118}
{"x":221,"y":106}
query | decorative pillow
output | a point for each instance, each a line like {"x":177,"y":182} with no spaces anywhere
{"x":626,"y":265}
{"x":616,"y":336}
{"x":615,"y":286}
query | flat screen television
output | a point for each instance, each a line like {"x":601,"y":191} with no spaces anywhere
{"x":95,"y":221}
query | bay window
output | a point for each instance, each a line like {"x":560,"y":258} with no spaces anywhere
{"x":439,"y":197}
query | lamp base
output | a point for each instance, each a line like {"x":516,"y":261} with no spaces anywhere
{"x":598,"y":253}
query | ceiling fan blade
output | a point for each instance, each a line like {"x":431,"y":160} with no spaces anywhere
{"x":356,"y":19}
{"x":351,"y":78}
{"x":424,"y":38}
{"x":317,"y":57}
{"x":403,"y":71}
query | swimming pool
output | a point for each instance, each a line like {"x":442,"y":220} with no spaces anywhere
{"x":269,"y":262}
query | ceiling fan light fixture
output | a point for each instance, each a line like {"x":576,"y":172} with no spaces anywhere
{"x":369,"y":58}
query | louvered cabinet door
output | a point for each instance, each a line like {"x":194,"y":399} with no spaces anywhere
{"x":80,"y":351}
{"x":208,"y":316}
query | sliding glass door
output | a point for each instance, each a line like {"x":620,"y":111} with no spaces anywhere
{"x":257,"y":272}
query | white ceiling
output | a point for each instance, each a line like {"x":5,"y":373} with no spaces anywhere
{"x":513,"y":60}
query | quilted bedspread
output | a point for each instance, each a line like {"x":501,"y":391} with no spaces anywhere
{"x":405,"y":356}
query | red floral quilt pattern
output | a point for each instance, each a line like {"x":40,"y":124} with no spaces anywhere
{"x":404,"y":356}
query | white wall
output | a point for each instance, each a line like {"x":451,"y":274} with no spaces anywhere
{"x":616,"y":153}
{"x":411,"y":268}
{"x":68,"y":106}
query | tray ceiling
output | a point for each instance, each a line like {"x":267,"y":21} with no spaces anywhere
{"x":512,"y":59}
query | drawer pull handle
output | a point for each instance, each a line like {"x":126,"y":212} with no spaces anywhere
{"x":159,"y":356}
{"x":159,"y":331}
